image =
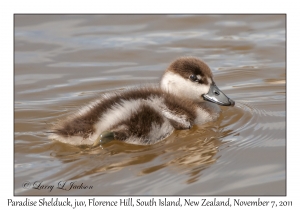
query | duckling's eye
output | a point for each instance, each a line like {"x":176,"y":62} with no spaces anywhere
{"x":193,"y":77}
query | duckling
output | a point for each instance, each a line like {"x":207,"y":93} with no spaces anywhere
{"x":187,"y":96}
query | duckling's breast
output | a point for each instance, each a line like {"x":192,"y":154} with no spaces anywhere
{"x":206,"y":112}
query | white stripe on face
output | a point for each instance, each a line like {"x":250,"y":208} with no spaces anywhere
{"x":198,"y":77}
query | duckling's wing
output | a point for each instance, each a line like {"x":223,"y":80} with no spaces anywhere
{"x":178,"y":121}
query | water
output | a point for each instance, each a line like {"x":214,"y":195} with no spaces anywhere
{"x":64,"y":61}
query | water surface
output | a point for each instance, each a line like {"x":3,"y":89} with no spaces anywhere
{"x":64,"y":61}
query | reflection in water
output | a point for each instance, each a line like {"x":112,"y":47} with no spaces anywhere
{"x":188,"y":151}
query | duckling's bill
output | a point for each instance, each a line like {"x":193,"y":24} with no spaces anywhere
{"x":215,"y":95}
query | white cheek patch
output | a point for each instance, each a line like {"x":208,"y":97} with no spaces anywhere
{"x":183,"y":87}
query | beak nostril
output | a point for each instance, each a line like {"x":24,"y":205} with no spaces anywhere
{"x":216,"y":92}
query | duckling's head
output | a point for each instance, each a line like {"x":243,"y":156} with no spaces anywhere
{"x":191,"y":78}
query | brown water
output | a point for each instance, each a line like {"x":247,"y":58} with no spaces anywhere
{"x":64,"y":61}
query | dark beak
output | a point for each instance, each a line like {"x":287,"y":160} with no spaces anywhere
{"x":215,"y":95}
